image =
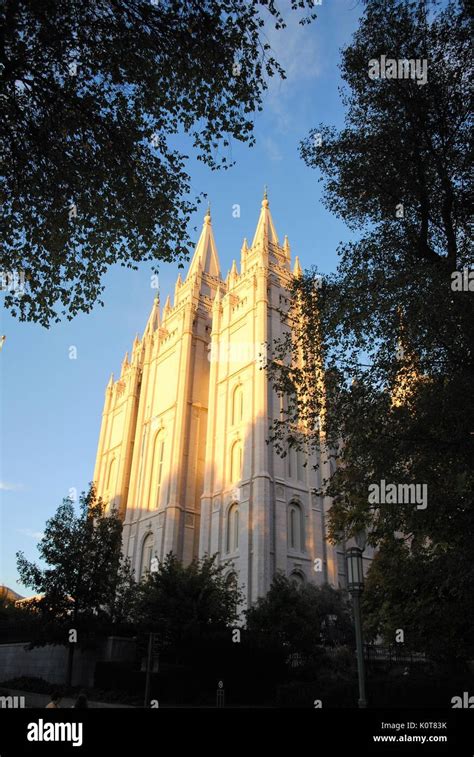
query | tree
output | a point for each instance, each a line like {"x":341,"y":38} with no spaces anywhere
{"x":85,"y":579}
{"x":390,"y":331}
{"x":299,"y":619}
{"x":17,"y":622}
{"x":399,"y":595}
{"x":93,"y":96}
{"x":124,"y":596}
{"x":181,"y":603}
{"x":404,"y":143}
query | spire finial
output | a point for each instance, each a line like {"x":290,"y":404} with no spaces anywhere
{"x":297,"y":270}
{"x":207,"y":217}
{"x":265,"y":197}
{"x":154,"y":317}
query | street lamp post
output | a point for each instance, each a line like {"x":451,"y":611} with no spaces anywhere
{"x":355,"y":585}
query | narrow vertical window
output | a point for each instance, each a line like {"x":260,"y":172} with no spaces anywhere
{"x":237,"y":405}
{"x":236,"y":462}
{"x":161,"y":452}
{"x":147,"y":553}
{"x":293,"y":542}
{"x":295,"y":527}
{"x":232,"y":537}
{"x":110,"y":477}
{"x":156,"y":472}
{"x":300,"y":461}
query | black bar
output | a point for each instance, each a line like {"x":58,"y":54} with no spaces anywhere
{"x":129,"y":730}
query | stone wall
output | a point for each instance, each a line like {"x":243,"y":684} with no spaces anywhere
{"x":50,"y":662}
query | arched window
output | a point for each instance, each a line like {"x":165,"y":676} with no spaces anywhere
{"x":156,"y":471}
{"x":231,"y":581}
{"x":110,"y":477}
{"x":297,"y":579}
{"x":295,"y":527}
{"x":147,"y":554}
{"x":236,"y":462}
{"x":232,"y":542}
{"x":237,"y":405}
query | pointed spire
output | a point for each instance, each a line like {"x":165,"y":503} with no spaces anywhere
{"x":136,"y":342}
{"x":217,"y":299}
{"x":167,"y":307}
{"x":111,"y":381}
{"x":177,"y":287}
{"x":297,"y":270}
{"x":205,"y":257}
{"x":154,"y":319}
{"x":287,"y":248}
{"x":232,"y":276}
{"x":265,"y":231}
{"x":243,"y":256}
{"x":125,"y":362}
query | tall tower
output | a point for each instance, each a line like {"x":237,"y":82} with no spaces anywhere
{"x":164,"y":440}
{"x":258,"y":509}
{"x":117,"y":433}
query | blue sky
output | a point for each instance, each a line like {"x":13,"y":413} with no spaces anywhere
{"x":50,"y":405}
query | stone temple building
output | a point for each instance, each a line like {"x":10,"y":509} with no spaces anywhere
{"x":183,"y":451}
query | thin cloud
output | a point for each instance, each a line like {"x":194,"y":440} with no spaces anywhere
{"x":272,"y":149}
{"x":37,"y":535}
{"x":7,"y":487}
{"x":297,"y":49}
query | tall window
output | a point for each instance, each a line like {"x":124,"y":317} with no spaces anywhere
{"x":231,"y":581}
{"x":297,"y":579}
{"x":295,"y":527}
{"x":232,"y":543}
{"x":142,"y":460}
{"x":237,"y":405}
{"x":236,"y":462}
{"x":300,"y":467}
{"x":156,"y":471}
{"x":110,"y":477}
{"x":296,"y":464}
{"x":147,"y":553}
